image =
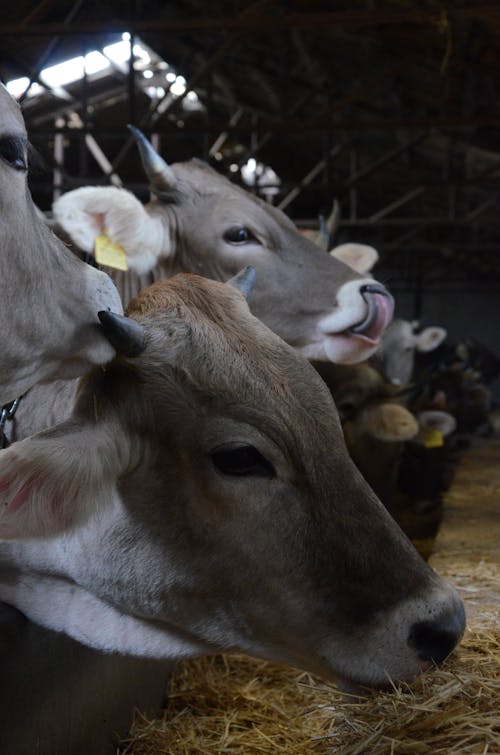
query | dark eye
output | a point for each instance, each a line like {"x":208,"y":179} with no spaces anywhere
{"x":13,"y":151}
{"x":239,"y":235}
{"x":241,"y":460}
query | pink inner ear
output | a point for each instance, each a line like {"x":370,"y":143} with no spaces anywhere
{"x":98,"y":219}
{"x":20,"y":498}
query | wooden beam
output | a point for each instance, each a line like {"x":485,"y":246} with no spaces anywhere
{"x":344,"y":19}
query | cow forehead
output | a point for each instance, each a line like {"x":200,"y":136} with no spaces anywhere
{"x":11,"y":120}
{"x":225,"y":352}
{"x":198,"y":180}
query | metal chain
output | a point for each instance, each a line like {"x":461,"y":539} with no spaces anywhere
{"x":7,"y":415}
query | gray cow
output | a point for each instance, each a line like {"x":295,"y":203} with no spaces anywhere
{"x":200,"y":222}
{"x":49,"y":299}
{"x":200,"y":498}
{"x":396,"y":355}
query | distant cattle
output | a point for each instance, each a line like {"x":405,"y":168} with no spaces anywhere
{"x":396,"y":356}
{"x":460,"y":392}
{"x":375,"y":423}
{"x":48,"y":298}
{"x":200,"y":498}
{"x":200,"y":222}
{"x":428,"y":462}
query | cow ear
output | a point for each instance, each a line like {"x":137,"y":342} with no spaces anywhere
{"x":442,"y":422}
{"x":389,"y":422}
{"x":93,"y":211}
{"x":430,"y":338}
{"x":52,"y":481}
{"x":358,"y":256}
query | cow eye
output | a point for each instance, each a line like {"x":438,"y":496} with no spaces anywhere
{"x":239,"y":235}
{"x":239,"y":460}
{"x":13,"y":152}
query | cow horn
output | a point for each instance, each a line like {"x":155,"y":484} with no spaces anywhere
{"x":160,"y":174}
{"x":125,"y":334}
{"x":333,"y":219}
{"x":328,"y":227}
{"x":244,"y":280}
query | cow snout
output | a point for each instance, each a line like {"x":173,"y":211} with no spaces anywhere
{"x":379,"y":313}
{"x":434,"y":640}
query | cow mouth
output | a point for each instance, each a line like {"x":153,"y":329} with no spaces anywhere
{"x":380,"y":310}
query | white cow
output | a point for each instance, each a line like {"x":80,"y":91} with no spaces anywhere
{"x":396,"y":354}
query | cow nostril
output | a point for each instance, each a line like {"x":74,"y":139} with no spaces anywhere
{"x":374,"y":288}
{"x":434,"y":640}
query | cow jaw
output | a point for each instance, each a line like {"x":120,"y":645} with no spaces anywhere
{"x":352,"y":332}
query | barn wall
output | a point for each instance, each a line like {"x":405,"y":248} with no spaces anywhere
{"x":463,"y":313}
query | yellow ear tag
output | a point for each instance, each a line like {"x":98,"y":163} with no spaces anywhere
{"x":433,"y":438}
{"x":108,"y":253}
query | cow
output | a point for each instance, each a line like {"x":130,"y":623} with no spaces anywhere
{"x":49,"y":299}
{"x":396,"y":355}
{"x":200,"y":222}
{"x":200,"y":498}
{"x":374,"y":422}
{"x":428,"y":461}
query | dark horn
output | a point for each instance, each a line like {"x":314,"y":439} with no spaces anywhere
{"x":125,"y":334}
{"x":160,"y":174}
{"x":333,"y":219}
{"x":244,"y":281}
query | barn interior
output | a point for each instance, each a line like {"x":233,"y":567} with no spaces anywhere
{"x":387,"y":112}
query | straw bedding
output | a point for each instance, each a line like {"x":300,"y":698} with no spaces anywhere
{"x":239,"y":705}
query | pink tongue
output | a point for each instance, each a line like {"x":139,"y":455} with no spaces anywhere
{"x":385,"y":310}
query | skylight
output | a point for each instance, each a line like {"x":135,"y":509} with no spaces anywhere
{"x":97,"y":62}
{"x":73,"y":69}
{"x":17,"y":86}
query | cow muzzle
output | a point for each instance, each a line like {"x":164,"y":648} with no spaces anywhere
{"x":352,"y":331}
{"x":379,"y":315}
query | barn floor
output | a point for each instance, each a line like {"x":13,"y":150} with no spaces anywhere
{"x":239,"y":705}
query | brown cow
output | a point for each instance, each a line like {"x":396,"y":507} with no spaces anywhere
{"x":205,"y":501}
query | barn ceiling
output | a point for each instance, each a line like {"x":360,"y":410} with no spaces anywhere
{"x":391,"y":106}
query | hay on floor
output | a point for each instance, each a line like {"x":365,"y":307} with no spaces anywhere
{"x":243,"y":706}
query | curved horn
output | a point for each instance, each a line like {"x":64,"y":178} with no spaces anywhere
{"x":125,"y":334}
{"x":333,"y":219}
{"x":160,"y":174}
{"x":244,"y":280}
{"x":328,"y":227}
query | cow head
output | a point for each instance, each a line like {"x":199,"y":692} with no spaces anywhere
{"x":49,"y":299}
{"x":399,"y":344}
{"x":212,"y":506}
{"x":200,"y":222}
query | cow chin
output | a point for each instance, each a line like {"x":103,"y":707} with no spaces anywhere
{"x":341,"y":349}
{"x":391,"y":650}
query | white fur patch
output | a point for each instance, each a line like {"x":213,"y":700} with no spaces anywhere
{"x":65,"y":607}
{"x":85,"y":213}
